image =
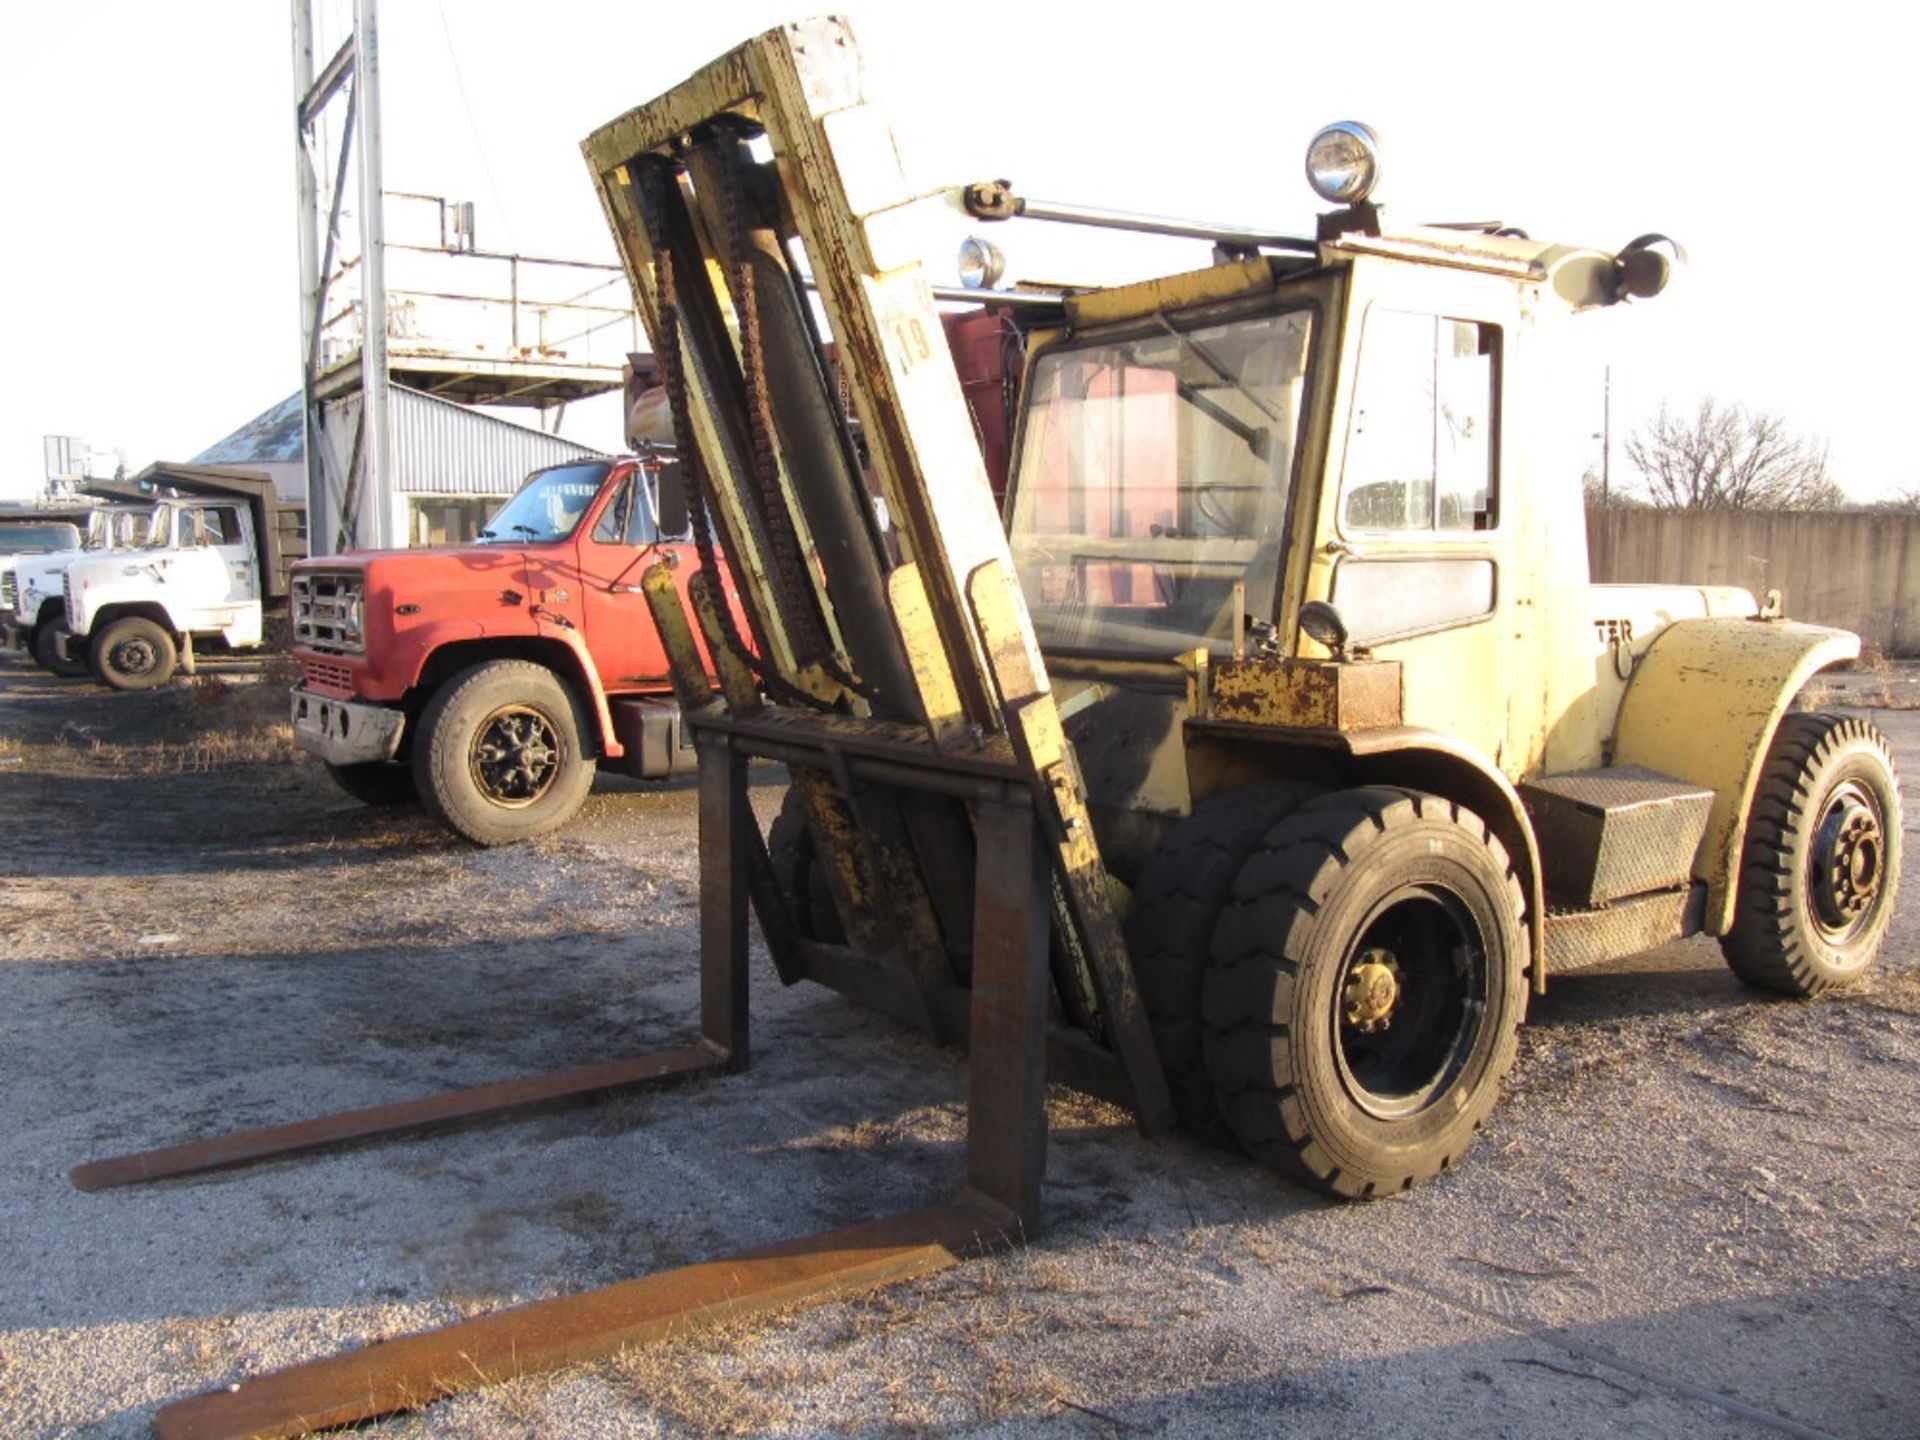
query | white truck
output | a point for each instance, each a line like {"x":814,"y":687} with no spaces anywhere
{"x":33,"y":614}
{"x":213,"y":569}
{"x":26,"y":534}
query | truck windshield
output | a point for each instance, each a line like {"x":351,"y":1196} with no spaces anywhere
{"x":548,"y":506}
{"x":1153,"y":475}
{"x":39,"y":539}
{"x":116,"y":529}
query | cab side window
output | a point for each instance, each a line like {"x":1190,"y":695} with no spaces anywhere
{"x":628,"y":518}
{"x":221,"y":524}
{"x":1421,"y":452}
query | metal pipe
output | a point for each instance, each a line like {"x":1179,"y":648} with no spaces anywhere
{"x":378,"y":456}
{"x":307,"y":199}
{"x":993,"y":201}
{"x":1026,"y":299}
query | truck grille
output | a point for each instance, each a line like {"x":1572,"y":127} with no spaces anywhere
{"x":329,"y":610}
{"x":9,"y":590}
{"x":328,"y":679}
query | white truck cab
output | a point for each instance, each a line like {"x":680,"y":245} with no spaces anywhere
{"x":33,"y":613}
{"x":213,"y":566}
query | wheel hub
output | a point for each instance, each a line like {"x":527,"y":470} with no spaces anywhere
{"x":1847,"y":861}
{"x":133,"y":657}
{"x":1372,"y":991}
{"x":515,"y":757}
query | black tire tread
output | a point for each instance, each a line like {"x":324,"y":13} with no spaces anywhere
{"x":1298,"y":864}
{"x":1169,"y":933}
{"x":1766,"y":946}
{"x":802,"y":885}
{"x":427,"y":744}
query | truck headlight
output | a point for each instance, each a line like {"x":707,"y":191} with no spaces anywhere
{"x":352,"y":615}
{"x":1343,"y":163}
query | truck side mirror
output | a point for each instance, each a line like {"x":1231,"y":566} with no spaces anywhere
{"x":196,"y":527}
{"x":672,"y":493}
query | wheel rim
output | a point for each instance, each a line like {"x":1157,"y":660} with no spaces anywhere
{"x":1409,"y":1002}
{"x":515,"y":756}
{"x":1847,"y":862}
{"x":133,"y":656}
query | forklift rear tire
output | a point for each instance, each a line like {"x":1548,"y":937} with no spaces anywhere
{"x":1182,"y":888}
{"x":500,"y":754}
{"x":1366,"y":989}
{"x":377,"y":783}
{"x":133,"y":653}
{"x":1821,"y":859}
{"x":46,"y":651}
{"x":797,"y":873}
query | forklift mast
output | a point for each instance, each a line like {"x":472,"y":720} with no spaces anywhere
{"x":766,"y":174}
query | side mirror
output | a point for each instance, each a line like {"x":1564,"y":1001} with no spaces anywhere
{"x":196,"y":527}
{"x":671,"y":490}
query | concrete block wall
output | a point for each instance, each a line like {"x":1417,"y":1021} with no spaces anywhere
{"x":1856,"y":570}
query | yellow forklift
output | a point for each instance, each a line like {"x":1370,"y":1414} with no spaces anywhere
{"x":1251,"y":769}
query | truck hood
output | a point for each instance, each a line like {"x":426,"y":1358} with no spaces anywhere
{"x":485,"y":585}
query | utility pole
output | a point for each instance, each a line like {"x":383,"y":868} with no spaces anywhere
{"x":1606,"y":437}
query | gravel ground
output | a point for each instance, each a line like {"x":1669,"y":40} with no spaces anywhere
{"x":1693,"y":1216}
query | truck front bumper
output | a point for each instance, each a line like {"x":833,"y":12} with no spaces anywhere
{"x":13,"y":635}
{"x":345,"y":732}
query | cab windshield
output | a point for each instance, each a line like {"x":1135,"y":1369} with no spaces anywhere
{"x":39,"y":539}
{"x":548,"y":506}
{"x":117,"y":529}
{"x":1153,"y":475}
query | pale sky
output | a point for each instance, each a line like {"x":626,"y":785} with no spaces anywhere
{"x":149,"y":256}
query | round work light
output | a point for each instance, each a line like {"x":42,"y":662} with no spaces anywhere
{"x":1343,"y":163}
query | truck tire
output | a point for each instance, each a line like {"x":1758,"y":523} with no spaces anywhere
{"x":797,"y":874}
{"x":377,"y":783}
{"x":1169,"y":932}
{"x":1821,"y":860}
{"x":133,"y":653}
{"x":1366,"y":989}
{"x":500,"y":754}
{"x":46,"y":650}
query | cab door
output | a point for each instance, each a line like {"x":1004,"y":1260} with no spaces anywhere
{"x":214,"y":565}
{"x":1415,"y":545}
{"x":616,"y":545}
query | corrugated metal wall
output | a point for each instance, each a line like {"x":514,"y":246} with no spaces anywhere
{"x":440,"y":448}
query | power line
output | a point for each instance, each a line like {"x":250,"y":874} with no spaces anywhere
{"x":460,"y":83}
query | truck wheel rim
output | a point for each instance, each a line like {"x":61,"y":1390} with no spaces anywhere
{"x":1409,"y":1001}
{"x":134,"y":656}
{"x":1848,"y":862}
{"x":515,"y":756}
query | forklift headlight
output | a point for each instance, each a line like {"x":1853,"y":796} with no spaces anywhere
{"x":1343,"y":163}
{"x":981,"y":263}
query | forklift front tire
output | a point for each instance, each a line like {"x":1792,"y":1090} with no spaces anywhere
{"x":1170,"y":933}
{"x":1366,"y":989}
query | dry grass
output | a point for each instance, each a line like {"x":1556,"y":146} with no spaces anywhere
{"x":717,"y":1380}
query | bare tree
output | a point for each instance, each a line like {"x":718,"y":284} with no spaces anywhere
{"x":1726,"y":457}
{"x":1602,"y":496}
{"x":1904,"y":501}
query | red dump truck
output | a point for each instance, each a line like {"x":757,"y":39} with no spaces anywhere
{"x":489,"y":681}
